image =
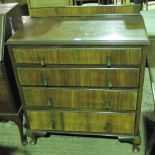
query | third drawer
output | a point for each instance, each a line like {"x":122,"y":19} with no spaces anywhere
{"x":80,"y":98}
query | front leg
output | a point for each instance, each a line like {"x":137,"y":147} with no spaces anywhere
{"x":135,"y":140}
{"x":34,"y":135}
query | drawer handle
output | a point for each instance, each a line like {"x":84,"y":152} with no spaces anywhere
{"x":49,"y":101}
{"x":110,"y":83}
{"x":42,"y":61}
{"x":53,"y":124}
{"x":107,"y":126}
{"x":108,"y":61}
{"x":107,"y":104}
{"x":45,"y":81}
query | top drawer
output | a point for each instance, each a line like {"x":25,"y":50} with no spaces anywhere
{"x":105,"y":56}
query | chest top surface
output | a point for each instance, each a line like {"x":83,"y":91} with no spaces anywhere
{"x":83,"y":30}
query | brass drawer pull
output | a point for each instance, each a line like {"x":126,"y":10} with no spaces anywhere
{"x":107,"y":104}
{"x":108,"y":61}
{"x":49,"y":101}
{"x":53,"y":124}
{"x":107,"y":126}
{"x":110,"y":83}
{"x":45,"y":81}
{"x":42,"y":61}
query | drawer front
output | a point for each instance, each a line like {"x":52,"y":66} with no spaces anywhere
{"x":114,"y":123}
{"x":7,"y":105}
{"x":6,"y":98}
{"x":4,"y":89}
{"x":104,"y":56}
{"x":80,"y":98}
{"x":37,"y":4}
{"x":93,"y":77}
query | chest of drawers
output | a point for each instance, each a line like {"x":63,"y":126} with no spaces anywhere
{"x":78,"y":76}
{"x":10,"y":105}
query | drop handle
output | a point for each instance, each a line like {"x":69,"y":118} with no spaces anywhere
{"x":107,"y":104}
{"x":49,"y":101}
{"x":45,"y":81}
{"x":109,"y":83}
{"x":108,"y":61}
{"x":42,"y":61}
{"x":107,"y":126}
{"x":53,"y":124}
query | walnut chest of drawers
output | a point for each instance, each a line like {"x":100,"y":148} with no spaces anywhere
{"x":81,"y":75}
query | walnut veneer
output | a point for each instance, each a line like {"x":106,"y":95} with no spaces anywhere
{"x":79,"y":76}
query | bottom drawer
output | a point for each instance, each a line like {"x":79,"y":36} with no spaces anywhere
{"x":97,"y":122}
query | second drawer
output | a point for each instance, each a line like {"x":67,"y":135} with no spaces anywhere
{"x":80,"y":98}
{"x":82,"y":77}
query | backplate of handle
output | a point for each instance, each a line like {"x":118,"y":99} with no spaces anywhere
{"x":45,"y":81}
{"x":108,"y":61}
{"x":107,"y":104}
{"x":49,"y":101}
{"x":107,"y":126}
{"x":109,"y":83}
{"x":53,"y":124}
{"x":42,"y":61}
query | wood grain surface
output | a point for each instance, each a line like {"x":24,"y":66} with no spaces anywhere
{"x":82,"y":121}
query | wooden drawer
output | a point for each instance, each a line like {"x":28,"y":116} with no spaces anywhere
{"x":49,"y":3}
{"x":104,"y":56}
{"x":94,"y":77}
{"x":4,"y":89}
{"x":80,"y":98}
{"x":7,"y":105}
{"x":98,"y":122}
{"x":6,"y":99}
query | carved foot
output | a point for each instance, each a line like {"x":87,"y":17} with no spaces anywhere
{"x":34,"y":135}
{"x":135,"y":140}
{"x":19,"y":122}
{"x":24,"y":141}
{"x":135,"y":148}
{"x":33,"y":141}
